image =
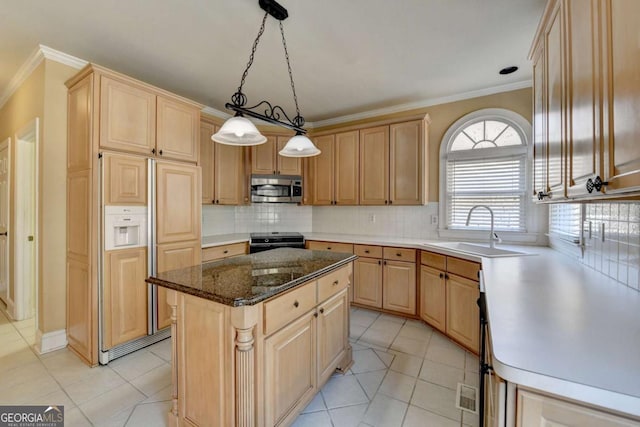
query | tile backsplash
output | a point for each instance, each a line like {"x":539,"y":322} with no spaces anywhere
{"x":611,"y":235}
{"x":259,"y":218}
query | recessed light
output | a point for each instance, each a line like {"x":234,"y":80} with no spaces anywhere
{"x":509,"y":70}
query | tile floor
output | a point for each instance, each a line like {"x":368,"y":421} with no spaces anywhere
{"x":405,"y":374}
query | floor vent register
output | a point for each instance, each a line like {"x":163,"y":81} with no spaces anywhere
{"x":467,"y":398}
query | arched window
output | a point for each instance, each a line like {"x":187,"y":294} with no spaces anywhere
{"x":484,"y":161}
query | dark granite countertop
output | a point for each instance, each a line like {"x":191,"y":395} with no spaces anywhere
{"x":250,"y":279}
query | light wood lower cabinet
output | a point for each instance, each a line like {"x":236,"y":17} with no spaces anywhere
{"x":240,"y":366}
{"x":317,"y":245}
{"x":172,"y":256}
{"x":125,"y":296}
{"x":399,"y":286}
{"x":290,"y":369}
{"x":462,"y":311}
{"x":535,"y":410}
{"x":215,"y":253}
{"x":433,"y":299}
{"x":367,"y":282}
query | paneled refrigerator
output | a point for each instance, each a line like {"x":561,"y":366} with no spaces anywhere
{"x":150,"y":222}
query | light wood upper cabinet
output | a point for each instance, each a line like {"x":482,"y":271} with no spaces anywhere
{"x":374,"y":166}
{"x":222,"y":169}
{"x":407,"y":164}
{"x":621,"y":155}
{"x":125,"y":296}
{"x":586,"y":103}
{"x":127,"y":116}
{"x":177,"y":130}
{"x":335,"y":170}
{"x":125,"y":180}
{"x":265,"y":159}
{"x":178,"y":208}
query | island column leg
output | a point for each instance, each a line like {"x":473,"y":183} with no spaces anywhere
{"x":172,"y":300}
{"x":244,"y":320}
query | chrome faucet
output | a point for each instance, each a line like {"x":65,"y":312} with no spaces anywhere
{"x":493,"y":237}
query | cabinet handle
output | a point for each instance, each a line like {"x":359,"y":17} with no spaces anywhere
{"x":441,"y":275}
{"x":336,"y":283}
{"x":322,"y":310}
{"x":541,"y":195}
{"x":296,"y":304}
{"x":596,"y":184}
{"x":153,"y":151}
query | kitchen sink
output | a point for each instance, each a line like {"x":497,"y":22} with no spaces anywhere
{"x":474,"y":249}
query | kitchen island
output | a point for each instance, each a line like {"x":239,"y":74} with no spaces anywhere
{"x":255,"y":337}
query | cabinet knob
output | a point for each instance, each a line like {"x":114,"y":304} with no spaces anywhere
{"x":596,"y":184}
{"x":296,"y":304}
{"x":386,"y":202}
{"x":390,"y":201}
{"x":542,"y":196}
{"x":442,"y":275}
{"x":336,"y":283}
{"x":328,"y":248}
{"x":226,"y":251}
{"x":315,"y":314}
{"x":446,"y":276}
{"x":153,"y":151}
{"x":366,"y":252}
{"x":274,"y":172}
{"x":160,"y":152}
{"x":399,"y":255}
{"x":322,"y":310}
{"x":379,"y":262}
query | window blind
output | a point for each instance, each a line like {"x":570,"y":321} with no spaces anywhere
{"x":565,"y":220}
{"x":499,"y":183}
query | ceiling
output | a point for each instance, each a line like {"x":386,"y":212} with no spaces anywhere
{"x":347,"y":56}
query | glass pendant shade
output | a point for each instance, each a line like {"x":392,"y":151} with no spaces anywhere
{"x":239,"y":131}
{"x":299,"y":146}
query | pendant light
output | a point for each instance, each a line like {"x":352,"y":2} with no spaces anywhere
{"x":238,"y":130}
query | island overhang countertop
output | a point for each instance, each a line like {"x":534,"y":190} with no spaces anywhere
{"x":250,"y":279}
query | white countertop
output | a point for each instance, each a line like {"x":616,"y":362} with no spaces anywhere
{"x":556,"y":325}
{"x":224,"y":239}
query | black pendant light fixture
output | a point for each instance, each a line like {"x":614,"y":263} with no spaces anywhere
{"x":238,"y":130}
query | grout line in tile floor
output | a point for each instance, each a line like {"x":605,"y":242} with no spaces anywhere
{"x":378,"y":351}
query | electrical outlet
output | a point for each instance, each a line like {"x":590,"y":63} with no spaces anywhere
{"x":372,"y":218}
{"x":434,"y":219}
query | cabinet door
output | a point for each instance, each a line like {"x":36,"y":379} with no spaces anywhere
{"x":555,"y":104}
{"x":622,"y":157}
{"x":406,"y":164}
{"x":290,"y":373}
{"x":287,"y":165}
{"x":127,"y":116}
{"x":367,"y":282}
{"x":374,"y":166}
{"x":229,"y":174}
{"x":346,"y":173}
{"x":171,"y":257}
{"x":462,"y":311}
{"x":178,"y":202}
{"x":125,"y":296}
{"x":333,"y":334}
{"x":178,"y":135}
{"x":583,"y":73}
{"x":125,"y":180}
{"x":433,"y":301}
{"x":539,"y":124}
{"x":322,"y":171}
{"x":207,"y":162}
{"x":399,"y":287}
{"x":262,"y":157}
{"x":536,"y":410}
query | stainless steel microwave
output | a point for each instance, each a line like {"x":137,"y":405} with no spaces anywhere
{"x":276,"y":189}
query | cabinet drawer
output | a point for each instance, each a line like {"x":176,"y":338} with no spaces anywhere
{"x":464,"y":268}
{"x":437,"y":261}
{"x":330,"y":246}
{"x":281,"y":310}
{"x":334,"y":282}
{"x":368,"y":251}
{"x":224,"y":251}
{"x":400,"y":254}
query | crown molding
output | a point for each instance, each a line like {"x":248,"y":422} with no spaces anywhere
{"x":216,"y":113}
{"x":32,"y":62}
{"x":422,"y":104}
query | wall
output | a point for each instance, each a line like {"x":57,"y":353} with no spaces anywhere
{"x":44,"y":95}
{"x":618,"y":256}
{"x":444,"y":115}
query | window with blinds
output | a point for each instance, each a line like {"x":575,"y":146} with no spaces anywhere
{"x":565,"y":220}
{"x":486,"y":164}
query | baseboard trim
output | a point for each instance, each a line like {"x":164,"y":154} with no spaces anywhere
{"x":50,"y":341}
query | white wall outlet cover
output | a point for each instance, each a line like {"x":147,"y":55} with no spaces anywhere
{"x":434,"y":219}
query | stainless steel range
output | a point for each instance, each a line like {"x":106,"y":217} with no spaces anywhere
{"x":264,"y":241}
